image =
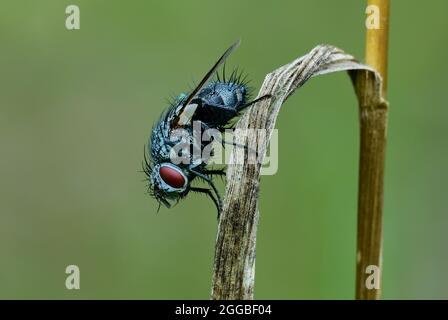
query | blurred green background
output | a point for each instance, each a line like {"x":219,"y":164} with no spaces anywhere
{"x":76,"y":108}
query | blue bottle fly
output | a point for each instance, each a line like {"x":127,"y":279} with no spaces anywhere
{"x":212,"y":104}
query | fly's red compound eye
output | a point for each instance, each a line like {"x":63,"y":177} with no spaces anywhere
{"x":172,"y":177}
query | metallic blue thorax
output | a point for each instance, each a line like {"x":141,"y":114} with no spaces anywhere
{"x":217,"y":103}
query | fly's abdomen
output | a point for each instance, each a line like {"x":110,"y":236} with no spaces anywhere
{"x":226,"y":94}
{"x":219,"y":102}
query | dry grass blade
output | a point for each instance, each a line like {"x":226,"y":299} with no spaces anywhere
{"x":234,"y":262}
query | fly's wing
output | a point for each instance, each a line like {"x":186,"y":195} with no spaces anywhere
{"x":186,"y":110}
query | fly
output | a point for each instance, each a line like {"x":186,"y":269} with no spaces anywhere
{"x":212,"y":104}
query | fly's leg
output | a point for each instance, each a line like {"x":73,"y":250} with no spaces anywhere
{"x":239,"y":145}
{"x":208,"y":180}
{"x":218,"y":172}
{"x":244,"y":106}
{"x":209,"y":193}
{"x":224,"y":142}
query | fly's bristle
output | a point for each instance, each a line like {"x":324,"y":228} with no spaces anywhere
{"x":237,"y":78}
{"x":224,"y":72}
{"x":146,"y":166}
{"x":232,"y":76}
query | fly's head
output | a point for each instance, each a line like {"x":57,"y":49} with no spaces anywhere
{"x":166,"y":182}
